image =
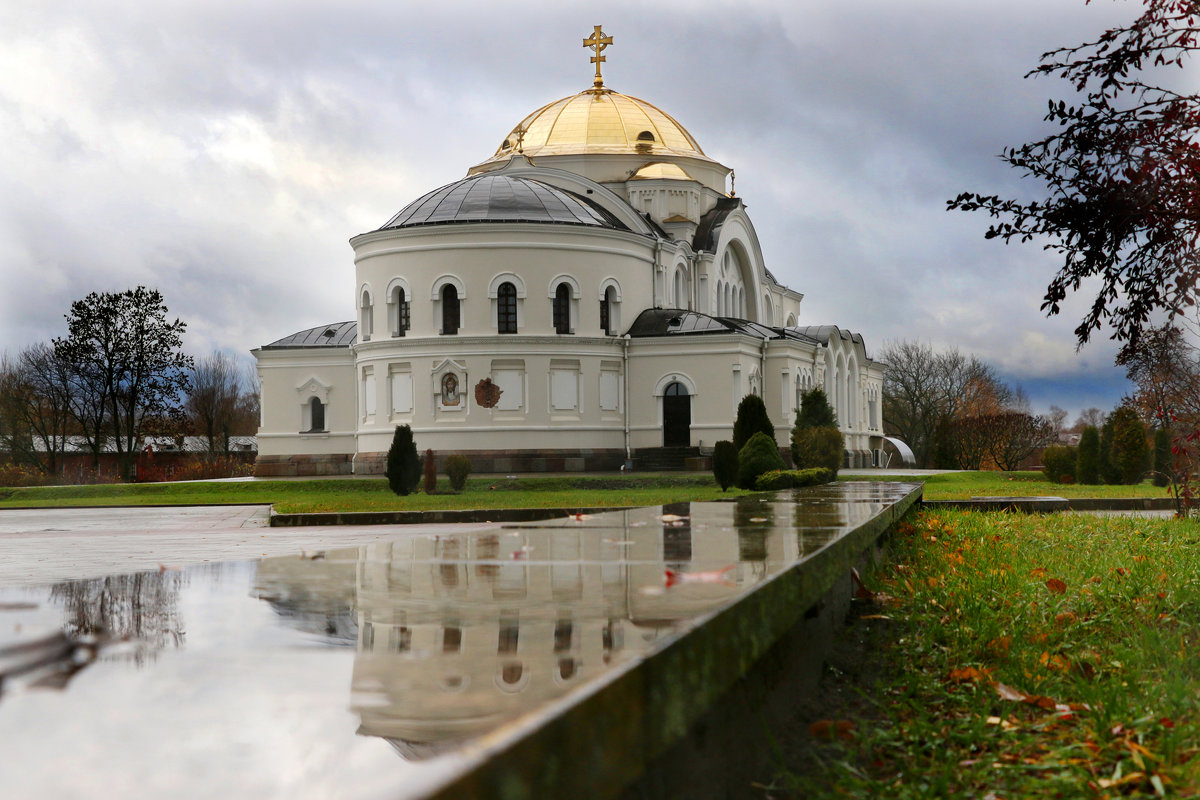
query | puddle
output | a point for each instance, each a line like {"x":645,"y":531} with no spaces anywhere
{"x":367,"y":671}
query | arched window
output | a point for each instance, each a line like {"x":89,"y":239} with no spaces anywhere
{"x":450,"y":310}
{"x":400,"y":316}
{"x":562,"y":309}
{"x":608,"y":312}
{"x":366,"y":324}
{"x":316,"y":414}
{"x":506,"y":308}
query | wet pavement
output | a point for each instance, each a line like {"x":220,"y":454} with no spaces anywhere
{"x":194,"y":652}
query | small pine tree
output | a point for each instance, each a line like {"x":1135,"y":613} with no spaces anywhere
{"x":815,"y":411}
{"x":1163,"y":468}
{"x":760,"y":455}
{"x":1130,"y":456}
{"x":1108,"y":473}
{"x":1087,"y":464}
{"x":403,"y":463}
{"x":751,"y":418}
{"x":457,"y":467}
{"x":725,"y":464}
{"x":430,"y":473}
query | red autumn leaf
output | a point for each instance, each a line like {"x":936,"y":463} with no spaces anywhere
{"x":968,"y":674}
{"x":1056,"y":586}
{"x":828,"y":728}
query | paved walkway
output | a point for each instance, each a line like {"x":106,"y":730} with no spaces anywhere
{"x":40,"y":546}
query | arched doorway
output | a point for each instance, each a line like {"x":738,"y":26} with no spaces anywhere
{"x":677,"y":416}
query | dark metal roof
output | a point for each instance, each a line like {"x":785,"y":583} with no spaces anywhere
{"x":337,"y":334}
{"x":677,"y":322}
{"x":502,"y":198}
{"x":710,"y":224}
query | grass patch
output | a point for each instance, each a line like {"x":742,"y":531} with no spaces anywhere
{"x":371,"y":494}
{"x":965,"y":485}
{"x":1026,"y":656}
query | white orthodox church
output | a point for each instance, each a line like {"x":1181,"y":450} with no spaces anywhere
{"x":589,"y":294}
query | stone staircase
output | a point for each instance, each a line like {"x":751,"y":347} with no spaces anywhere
{"x":665,"y":459}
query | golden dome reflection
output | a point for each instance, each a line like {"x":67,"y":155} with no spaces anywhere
{"x":599,"y":121}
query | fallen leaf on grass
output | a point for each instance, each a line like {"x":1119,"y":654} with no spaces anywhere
{"x":1000,"y":645}
{"x":1056,"y":586}
{"x":967,"y":674}
{"x":1037,"y":572}
{"x":828,"y":729}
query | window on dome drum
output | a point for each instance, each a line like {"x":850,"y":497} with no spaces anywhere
{"x":367,"y":324}
{"x":316,"y":415}
{"x":450,"y":310}
{"x":562,"y":309}
{"x":645,"y":136}
{"x":506,"y":308}
{"x":608,"y":312}
{"x":402,"y":319}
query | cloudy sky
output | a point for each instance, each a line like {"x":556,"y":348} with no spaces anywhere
{"x":225,"y":152}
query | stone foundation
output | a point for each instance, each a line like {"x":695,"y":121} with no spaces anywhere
{"x":510,"y":461}
{"x":302,"y":465}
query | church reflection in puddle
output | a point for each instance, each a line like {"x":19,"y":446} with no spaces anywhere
{"x":458,"y":634}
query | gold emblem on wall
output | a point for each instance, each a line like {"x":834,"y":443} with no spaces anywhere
{"x":487,"y":394}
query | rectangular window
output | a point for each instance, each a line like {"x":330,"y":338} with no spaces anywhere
{"x":509,"y":377}
{"x":610,"y":386}
{"x":402,"y":389}
{"x":605,"y":323}
{"x":564,"y":385}
{"x":368,"y":392}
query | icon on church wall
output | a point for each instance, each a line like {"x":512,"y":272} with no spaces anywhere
{"x":487,"y":394}
{"x":450,"y":389}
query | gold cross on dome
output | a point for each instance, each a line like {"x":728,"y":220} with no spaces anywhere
{"x":598,"y":41}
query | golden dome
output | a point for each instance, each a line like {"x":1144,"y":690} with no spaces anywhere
{"x":599,"y":121}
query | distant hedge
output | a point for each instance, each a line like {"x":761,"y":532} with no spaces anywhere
{"x":793,"y":478}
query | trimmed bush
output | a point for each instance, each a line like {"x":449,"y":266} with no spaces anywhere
{"x":760,"y":455}
{"x":1087,"y":463}
{"x":1108,"y":473}
{"x":430,"y":473}
{"x":1164,"y":470}
{"x":457,"y":468}
{"x":1058,"y":464}
{"x":725,"y":464}
{"x":751,"y":418}
{"x":792,"y":478}
{"x":818,"y":447}
{"x":403,"y":463}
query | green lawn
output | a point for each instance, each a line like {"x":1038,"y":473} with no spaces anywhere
{"x":373,"y":494}
{"x":1018,"y":656}
{"x":965,"y":485}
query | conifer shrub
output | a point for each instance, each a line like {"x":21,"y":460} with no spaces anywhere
{"x":1130,"y":455}
{"x":1059,"y":464}
{"x":815,"y":410}
{"x":1108,"y":473}
{"x":1087,"y":464}
{"x":818,"y":447}
{"x":403,"y":463}
{"x":430,"y":473}
{"x":759,"y":455}
{"x":751,"y":418}
{"x":792,"y":478}
{"x":457,"y":468}
{"x":725,"y":463}
{"x":1164,"y":470}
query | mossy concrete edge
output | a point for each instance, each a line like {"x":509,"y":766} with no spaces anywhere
{"x":597,"y":741}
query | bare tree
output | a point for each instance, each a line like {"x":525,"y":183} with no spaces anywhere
{"x":212,"y":403}
{"x":127,"y":363}
{"x":35,"y":407}
{"x":924,"y":391}
{"x":1089,"y":418}
{"x":1058,"y":418}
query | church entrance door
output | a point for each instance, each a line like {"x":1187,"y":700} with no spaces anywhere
{"x":677,"y":416}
